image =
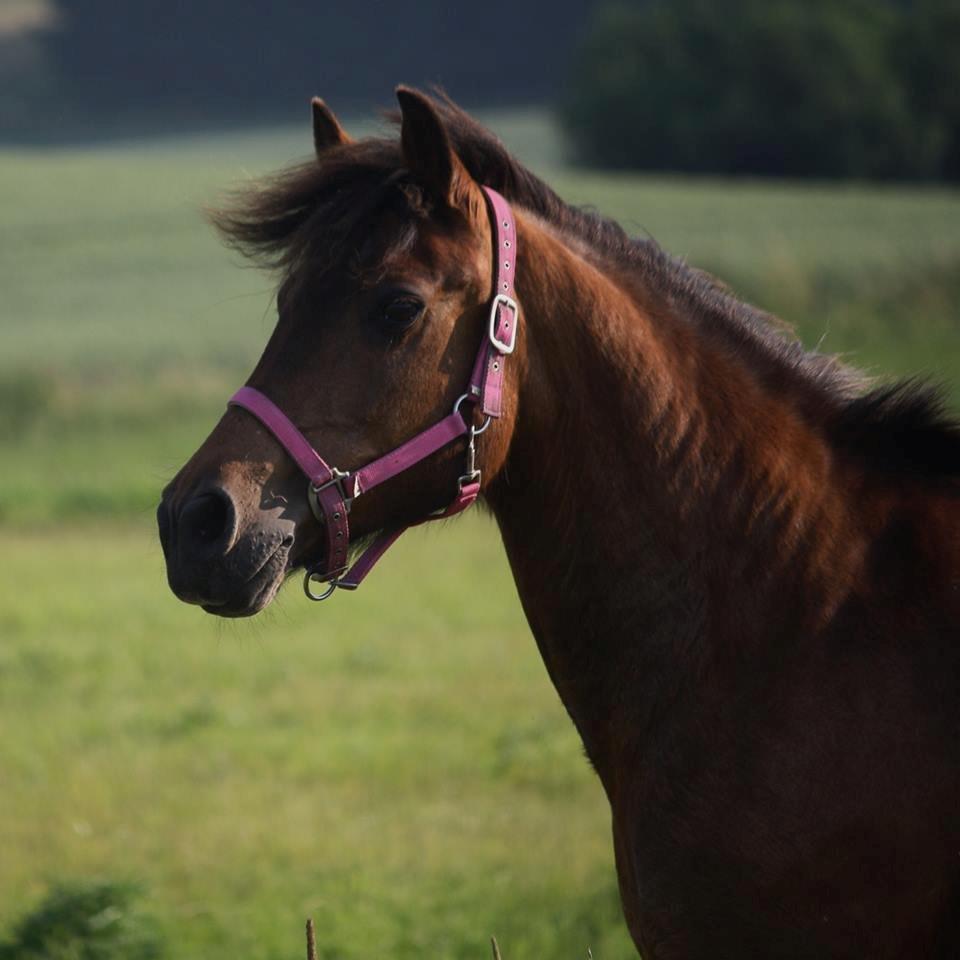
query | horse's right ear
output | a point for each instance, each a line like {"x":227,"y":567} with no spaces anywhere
{"x":327,"y":131}
{"x":428,"y":153}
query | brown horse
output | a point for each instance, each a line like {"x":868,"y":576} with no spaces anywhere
{"x":740,"y":563}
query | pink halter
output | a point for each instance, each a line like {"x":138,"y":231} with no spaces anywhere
{"x":331,"y":492}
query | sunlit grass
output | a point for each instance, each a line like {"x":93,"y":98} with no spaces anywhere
{"x":395,"y":764}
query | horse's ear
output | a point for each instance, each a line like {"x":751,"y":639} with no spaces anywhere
{"x":327,"y":131}
{"x":428,"y":152}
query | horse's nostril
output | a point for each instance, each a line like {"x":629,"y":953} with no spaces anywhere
{"x":207,"y":518}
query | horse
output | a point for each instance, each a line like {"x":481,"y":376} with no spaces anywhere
{"x":740,"y":560}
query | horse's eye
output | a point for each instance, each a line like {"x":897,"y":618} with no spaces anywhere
{"x":400,"y":312}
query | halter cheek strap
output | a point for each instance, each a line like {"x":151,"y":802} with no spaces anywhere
{"x":331,"y":492}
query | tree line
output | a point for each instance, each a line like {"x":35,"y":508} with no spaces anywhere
{"x":823,"y":88}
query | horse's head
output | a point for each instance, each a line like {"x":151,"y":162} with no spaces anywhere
{"x":385,"y":248}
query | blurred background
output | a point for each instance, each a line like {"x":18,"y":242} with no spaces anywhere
{"x":394,"y":764}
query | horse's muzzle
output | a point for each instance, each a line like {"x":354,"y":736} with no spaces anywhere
{"x":215,"y":564}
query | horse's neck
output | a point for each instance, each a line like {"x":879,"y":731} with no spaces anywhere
{"x":649,"y":474}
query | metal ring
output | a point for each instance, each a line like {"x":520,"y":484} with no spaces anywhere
{"x":475,"y":430}
{"x":331,"y":586}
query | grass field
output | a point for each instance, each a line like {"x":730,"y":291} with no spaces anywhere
{"x":396,"y":763}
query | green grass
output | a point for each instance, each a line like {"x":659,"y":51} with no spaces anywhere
{"x":394,"y":763}
{"x":396,"y":766}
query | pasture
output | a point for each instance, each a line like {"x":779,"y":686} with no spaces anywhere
{"x":393,"y":763}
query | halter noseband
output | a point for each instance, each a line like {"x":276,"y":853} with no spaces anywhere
{"x":331,"y":492}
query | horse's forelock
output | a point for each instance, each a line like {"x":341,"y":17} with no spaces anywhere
{"x":283,"y":219}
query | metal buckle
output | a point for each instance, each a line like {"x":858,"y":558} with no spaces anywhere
{"x":314,"y":491}
{"x":336,"y":477}
{"x":511,"y":304}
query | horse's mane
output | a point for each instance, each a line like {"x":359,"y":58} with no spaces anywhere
{"x":298,"y":216}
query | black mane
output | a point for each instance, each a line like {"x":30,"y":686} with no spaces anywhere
{"x":902,"y":427}
{"x":292,"y":217}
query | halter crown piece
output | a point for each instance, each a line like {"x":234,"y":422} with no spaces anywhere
{"x":331,"y":492}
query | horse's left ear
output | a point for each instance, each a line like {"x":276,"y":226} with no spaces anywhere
{"x":327,"y":131}
{"x":428,"y":152}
